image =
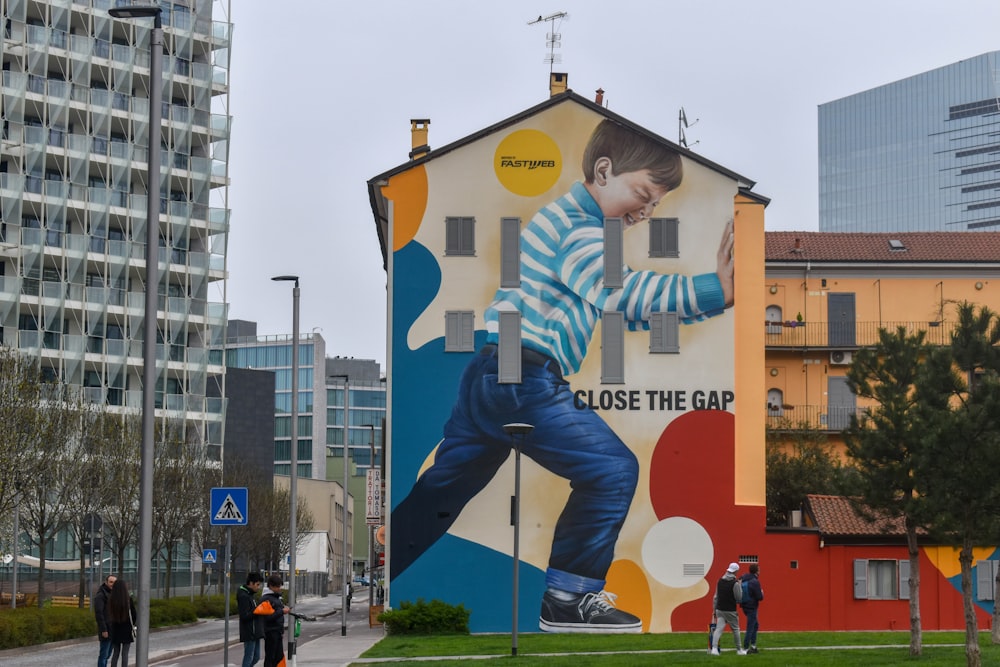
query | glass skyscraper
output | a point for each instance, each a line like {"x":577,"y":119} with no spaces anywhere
{"x":74,"y":107}
{"x":919,"y":154}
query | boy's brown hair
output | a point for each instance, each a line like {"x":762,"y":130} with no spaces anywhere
{"x":630,"y":151}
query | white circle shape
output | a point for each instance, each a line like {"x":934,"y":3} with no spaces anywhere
{"x":677,"y":552}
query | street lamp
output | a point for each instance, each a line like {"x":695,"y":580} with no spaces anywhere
{"x":294,"y":473}
{"x":144,"y":570}
{"x":371,"y":528}
{"x":347,"y":557}
{"x":513,"y":430}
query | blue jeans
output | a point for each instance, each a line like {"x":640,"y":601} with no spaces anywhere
{"x":750,"y":638}
{"x":251,"y":652}
{"x":105,"y":654}
{"x":569,"y":440}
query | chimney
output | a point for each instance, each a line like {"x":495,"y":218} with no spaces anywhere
{"x":599,"y":100}
{"x":558,"y":83}
{"x":418,"y":137}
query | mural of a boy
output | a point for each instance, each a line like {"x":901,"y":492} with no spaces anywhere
{"x":560,"y":300}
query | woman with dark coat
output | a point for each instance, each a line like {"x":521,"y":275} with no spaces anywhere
{"x":121,"y":612}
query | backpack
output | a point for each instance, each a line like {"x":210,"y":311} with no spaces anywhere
{"x":745,"y":584}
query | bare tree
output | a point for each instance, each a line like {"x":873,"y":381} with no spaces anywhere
{"x":20,"y":396}
{"x":120,"y":459}
{"x":55,"y":469}
{"x":181,"y":469}
{"x":89,"y":497}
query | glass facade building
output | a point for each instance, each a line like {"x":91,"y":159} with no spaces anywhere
{"x":274,"y":353}
{"x":919,"y":154}
{"x":74,"y":108}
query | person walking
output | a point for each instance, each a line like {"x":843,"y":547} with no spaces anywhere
{"x":251,"y":625}
{"x":122,"y":616}
{"x":101,"y":616}
{"x":751,"y":601}
{"x":728,"y":594}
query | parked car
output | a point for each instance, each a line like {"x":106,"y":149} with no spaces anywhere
{"x":361,"y":580}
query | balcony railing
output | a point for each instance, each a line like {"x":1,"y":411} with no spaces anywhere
{"x":840,"y":335}
{"x":817,"y":417}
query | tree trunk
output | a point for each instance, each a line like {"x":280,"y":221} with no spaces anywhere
{"x":995,"y":631}
{"x":42,"y":543}
{"x":973,"y":658}
{"x":169,"y":562}
{"x":916,"y":630}
{"x":83,"y":575}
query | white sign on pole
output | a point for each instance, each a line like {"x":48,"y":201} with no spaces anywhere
{"x":373,"y":497}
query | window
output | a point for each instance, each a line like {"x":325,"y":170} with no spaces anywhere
{"x":459,"y":331}
{"x":664,"y":333}
{"x":986,"y":575}
{"x":510,"y":252}
{"x":509,"y":348}
{"x":614,"y":257}
{"x":460,"y":237}
{"x":881,"y":579}
{"x":663,"y":237}
{"x":613,"y":348}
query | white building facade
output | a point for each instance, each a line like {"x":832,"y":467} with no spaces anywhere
{"x":73,"y":200}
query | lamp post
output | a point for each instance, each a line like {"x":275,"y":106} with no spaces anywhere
{"x":513,"y":430}
{"x":371,"y":529}
{"x":347,"y":556}
{"x":293,"y":475}
{"x":144,"y":572}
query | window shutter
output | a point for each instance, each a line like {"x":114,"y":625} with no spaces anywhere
{"x":985,"y":579}
{"x":664,"y":237}
{"x":509,"y":348}
{"x":460,"y":236}
{"x":468,"y":236}
{"x":860,"y":579}
{"x":664,"y":333}
{"x":510,"y":252}
{"x":453,"y":236}
{"x":459,"y":331}
{"x":904,"y":579}
{"x":614,"y":258}
{"x":613,"y":348}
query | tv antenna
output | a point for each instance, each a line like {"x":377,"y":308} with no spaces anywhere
{"x":683,"y":124}
{"x":552,"y":38}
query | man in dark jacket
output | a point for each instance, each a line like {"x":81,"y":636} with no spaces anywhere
{"x":750,"y":603}
{"x":728,"y":594}
{"x":103,"y":620}
{"x":274,"y":623}
{"x":251,"y":626}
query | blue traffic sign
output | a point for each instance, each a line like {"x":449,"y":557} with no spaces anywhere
{"x":228,"y":506}
{"x":209,"y":555}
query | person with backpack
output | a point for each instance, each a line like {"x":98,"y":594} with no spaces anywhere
{"x":753,"y":594}
{"x":273,"y":609}
{"x":251,"y":625}
{"x":728,"y":594}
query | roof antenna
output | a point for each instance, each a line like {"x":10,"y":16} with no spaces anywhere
{"x":552,"y":39}
{"x":682,"y":124}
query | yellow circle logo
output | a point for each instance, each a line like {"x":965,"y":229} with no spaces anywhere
{"x":527,"y":162}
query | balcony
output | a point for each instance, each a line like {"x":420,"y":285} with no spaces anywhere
{"x":831,"y":418}
{"x":841,"y":335}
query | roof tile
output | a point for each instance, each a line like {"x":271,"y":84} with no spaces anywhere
{"x":969,"y":247}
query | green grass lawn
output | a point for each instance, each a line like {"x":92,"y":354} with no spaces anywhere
{"x":871,"y":649}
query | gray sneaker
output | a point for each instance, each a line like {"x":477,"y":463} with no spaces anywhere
{"x":588,"y":612}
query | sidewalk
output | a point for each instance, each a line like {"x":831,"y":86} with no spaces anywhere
{"x":329,"y":649}
{"x":333,"y":650}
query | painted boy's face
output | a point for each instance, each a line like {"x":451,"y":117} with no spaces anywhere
{"x":631,"y":196}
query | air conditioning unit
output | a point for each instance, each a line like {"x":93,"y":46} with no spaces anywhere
{"x":840,"y":358}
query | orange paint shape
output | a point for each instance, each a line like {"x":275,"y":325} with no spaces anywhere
{"x":627,"y":580}
{"x":408,"y":192}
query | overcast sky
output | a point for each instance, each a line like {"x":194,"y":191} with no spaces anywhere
{"x":322,"y":94}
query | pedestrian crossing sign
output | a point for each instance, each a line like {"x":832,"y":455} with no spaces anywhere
{"x":228,"y":506}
